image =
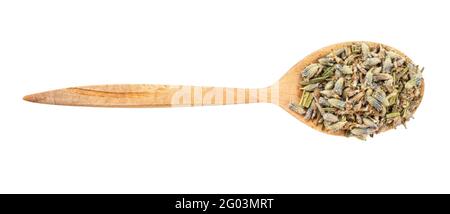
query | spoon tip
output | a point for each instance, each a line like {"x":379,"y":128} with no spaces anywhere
{"x":37,"y":98}
{"x":29,"y":98}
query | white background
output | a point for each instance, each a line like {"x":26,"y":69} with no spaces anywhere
{"x":255,"y":148}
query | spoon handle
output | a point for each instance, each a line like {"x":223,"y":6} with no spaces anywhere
{"x":146,"y":95}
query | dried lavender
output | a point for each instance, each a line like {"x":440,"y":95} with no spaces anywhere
{"x":360,"y":90}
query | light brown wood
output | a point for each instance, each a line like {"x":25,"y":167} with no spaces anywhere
{"x":147,"y":95}
{"x":281,"y":93}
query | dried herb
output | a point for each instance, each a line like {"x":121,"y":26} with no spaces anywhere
{"x":360,"y":90}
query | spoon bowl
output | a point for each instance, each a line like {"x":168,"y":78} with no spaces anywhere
{"x":290,"y":90}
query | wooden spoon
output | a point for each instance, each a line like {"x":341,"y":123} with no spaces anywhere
{"x":281,"y":93}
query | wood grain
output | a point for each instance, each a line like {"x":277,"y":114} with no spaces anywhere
{"x":147,"y":95}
